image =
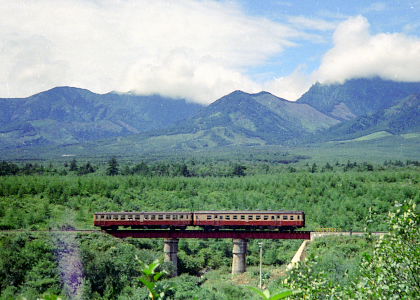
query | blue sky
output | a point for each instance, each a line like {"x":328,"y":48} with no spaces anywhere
{"x":203,"y":49}
{"x":384,"y":17}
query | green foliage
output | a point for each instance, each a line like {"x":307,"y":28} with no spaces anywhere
{"x":393,"y":270}
{"x":112,"y":169}
{"x":73,"y":165}
{"x":330,"y":198}
{"x":49,"y":296}
{"x":150,"y":277}
{"x":28,"y":264}
{"x":311,"y":284}
{"x":238,"y":170}
{"x":110,"y":265}
{"x":266,"y":295}
{"x":390,"y":272}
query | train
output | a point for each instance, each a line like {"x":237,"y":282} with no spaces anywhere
{"x":283,"y":220}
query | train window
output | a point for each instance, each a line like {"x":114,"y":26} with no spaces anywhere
{"x":152,"y":217}
{"x":137,"y":217}
{"x":291,"y":217}
{"x":298,"y":217}
{"x":257,"y":217}
{"x":215,"y":216}
{"x":130,"y":217}
{"x":167,"y":217}
{"x":146,"y":217}
{"x":108,"y":217}
{"x":227,"y":217}
{"x":115,"y":217}
{"x":122,"y":217}
{"x":265,"y":217}
{"x":181,"y":216}
{"x":250,"y":217}
{"x":242,"y":217}
{"x":278,"y":216}
{"x":160,"y":217}
{"x":235,"y":217}
{"x":221,"y":218}
{"x":284,"y":217}
{"x":272,"y":217}
{"x":208,"y":217}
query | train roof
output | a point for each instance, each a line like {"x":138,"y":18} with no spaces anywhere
{"x":206,"y":212}
{"x":249,"y":212}
{"x":141,"y":212}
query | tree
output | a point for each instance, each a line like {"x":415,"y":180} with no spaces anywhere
{"x":8,"y":168}
{"x":86,"y":169}
{"x":112,"y":169}
{"x":73,"y":165}
{"x":393,"y":271}
{"x":141,"y":169}
{"x":238,"y":170}
{"x":183,"y":170}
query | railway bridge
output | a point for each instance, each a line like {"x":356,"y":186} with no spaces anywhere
{"x":240,"y":241}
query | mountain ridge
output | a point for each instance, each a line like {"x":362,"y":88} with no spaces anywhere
{"x":357,"y":97}
{"x":66,"y":115}
{"x":81,"y":115}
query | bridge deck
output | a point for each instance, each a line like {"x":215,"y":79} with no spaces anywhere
{"x":199,"y":234}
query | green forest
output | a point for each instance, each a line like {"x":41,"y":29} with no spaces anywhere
{"x":37,"y":197}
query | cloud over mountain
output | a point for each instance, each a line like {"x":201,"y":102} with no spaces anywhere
{"x":199,"y":50}
{"x":358,"y":53}
{"x":186,"y":48}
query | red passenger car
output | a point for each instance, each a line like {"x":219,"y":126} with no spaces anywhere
{"x":271,"y":219}
{"x":234,"y":219}
{"x":152,"y":220}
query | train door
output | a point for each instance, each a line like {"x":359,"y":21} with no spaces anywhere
{"x":216,"y":220}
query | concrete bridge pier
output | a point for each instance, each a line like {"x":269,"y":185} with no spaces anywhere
{"x":170,"y":250}
{"x":240,"y":246}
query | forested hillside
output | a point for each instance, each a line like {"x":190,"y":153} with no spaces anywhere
{"x":66,"y":115}
{"x":334,"y":195}
{"x":357,"y":97}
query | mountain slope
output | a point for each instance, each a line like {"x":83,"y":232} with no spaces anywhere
{"x":357,"y":97}
{"x":242,"y":118}
{"x":403,"y":117}
{"x":69,"y":115}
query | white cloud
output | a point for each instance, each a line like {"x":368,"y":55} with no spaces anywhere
{"x":312,"y":23}
{"x":290,"y":87}
{"x":358,"y":53}
{"x":199,"y":50}
{"x":376,"y":7}
{"x":185,"y":48}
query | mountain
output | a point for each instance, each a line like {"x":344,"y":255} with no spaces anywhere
{"x":242,"y":118}
{"x":66,"y":115}
{"x":357,"y":97}
{"x":403,"y":117}
{"x":78,"y":121}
